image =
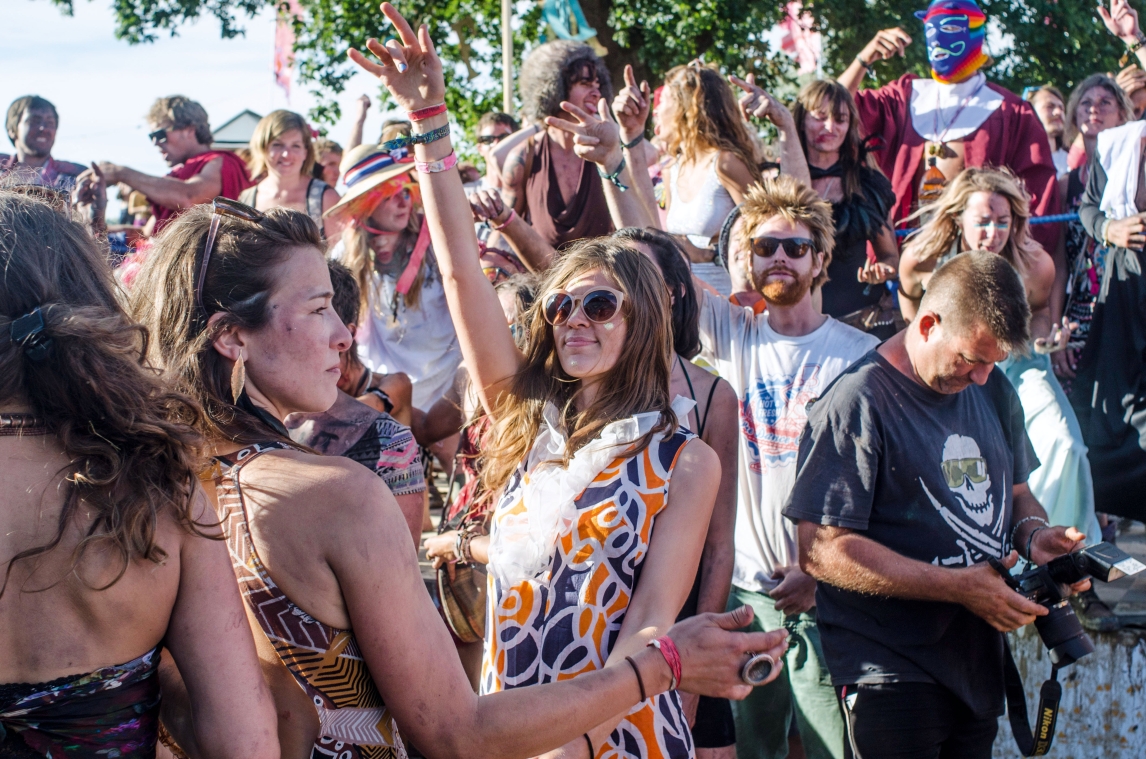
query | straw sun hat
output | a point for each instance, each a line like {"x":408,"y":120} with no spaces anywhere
{"x":365,"y":170}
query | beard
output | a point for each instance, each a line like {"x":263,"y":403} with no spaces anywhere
{"x":786,"y":292}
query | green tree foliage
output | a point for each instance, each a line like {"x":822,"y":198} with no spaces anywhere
{"x":1046,"y":41}
{"x":1056,"y":42}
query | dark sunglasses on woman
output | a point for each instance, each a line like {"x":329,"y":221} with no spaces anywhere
{"x":794,"y":247}
{"x":599,"y":305}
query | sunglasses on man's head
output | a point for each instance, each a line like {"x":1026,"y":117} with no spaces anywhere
{"x":794,"y":247}
{"x":221,"y":207}
{"x":158,"y":136}
{"x":599,"y":305}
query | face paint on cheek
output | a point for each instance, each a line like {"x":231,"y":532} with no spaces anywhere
{"x":609,"y":325}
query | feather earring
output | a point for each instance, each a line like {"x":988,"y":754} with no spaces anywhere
{"x":238,"y":378}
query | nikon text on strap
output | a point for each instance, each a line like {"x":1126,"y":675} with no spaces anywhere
{"x":1038,"y":743}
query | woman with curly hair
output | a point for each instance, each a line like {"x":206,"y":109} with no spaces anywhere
{"x":987,"y":209}
{"x":110,"y":547}
{"x":714,"y":159}
{"x":543,"y":179}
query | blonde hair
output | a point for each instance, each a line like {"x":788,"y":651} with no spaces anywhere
{"x":637,"y":383}
{"x":358,"y":256}
{"x":272,"y":126}
{"x":707,"y":116}
{"x":942,"y":229}
{"x":796,"y":203}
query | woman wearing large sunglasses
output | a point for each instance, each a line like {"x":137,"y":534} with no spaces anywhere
{"x":354,"y":652}
{"x":592,"y":554}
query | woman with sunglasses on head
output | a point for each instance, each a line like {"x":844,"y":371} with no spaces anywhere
{"x":110,"y":549}
{"x":351,"y":644}
{"x":583,"y":448}
{"x":987,"y":209}
{"x":405,"y":324}
{"x":282,"y":159}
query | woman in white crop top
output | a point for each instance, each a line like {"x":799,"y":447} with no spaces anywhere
{"x":715,"y":161}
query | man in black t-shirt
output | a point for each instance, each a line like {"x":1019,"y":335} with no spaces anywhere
{"x":911,"y":472}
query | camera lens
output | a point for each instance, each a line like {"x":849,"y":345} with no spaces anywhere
{"x":1062,"y":634}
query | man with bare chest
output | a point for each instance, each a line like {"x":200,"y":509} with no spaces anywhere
{"x":931,"y":129}
{"x":559,"y":194}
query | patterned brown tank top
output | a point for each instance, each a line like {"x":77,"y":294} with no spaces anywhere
{"x":325,"y":661}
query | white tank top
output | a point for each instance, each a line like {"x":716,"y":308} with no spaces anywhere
{"x":701,"y":218}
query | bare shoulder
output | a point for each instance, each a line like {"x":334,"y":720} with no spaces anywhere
{"x":697,"y":458}
{"x":329,"y":198}
{"x":322,"y":491}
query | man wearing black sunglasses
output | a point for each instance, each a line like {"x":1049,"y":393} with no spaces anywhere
{"x":778,"y":362}
{"x":179,"y":128}
{"x":492,"y":128}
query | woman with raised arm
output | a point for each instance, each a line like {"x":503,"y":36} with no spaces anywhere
{"x":584,"y":446}
{"x":350,"y":642}
{"x":110,"y":549}
{"x":987,"y":209}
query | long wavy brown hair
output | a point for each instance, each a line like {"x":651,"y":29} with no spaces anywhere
{"x":941,"y":231}
{"x":707,"y":117}
{"x":131,"y":445}
{"x":637,"y":383}
{"x":241,"y":276}
{"x":831,"y":96}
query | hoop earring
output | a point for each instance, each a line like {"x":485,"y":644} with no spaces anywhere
{"x":238,"y":378}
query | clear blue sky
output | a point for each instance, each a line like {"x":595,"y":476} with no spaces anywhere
{"x":103,"y":87}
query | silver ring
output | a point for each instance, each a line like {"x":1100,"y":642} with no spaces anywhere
{"x":757,"y":669}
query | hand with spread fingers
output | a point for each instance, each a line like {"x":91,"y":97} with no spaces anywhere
{"x":1121,"y":20}
{"x":755,"y":102}
{"x":409,"y":66}
{"x":885,"y":44}
{"x":631,"y":106}
{"x":488,"y":205}
{"x":596,"y":138}
{"x":1058,"y":339}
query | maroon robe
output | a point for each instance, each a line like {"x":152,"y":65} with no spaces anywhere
{"x":1012,"y":136}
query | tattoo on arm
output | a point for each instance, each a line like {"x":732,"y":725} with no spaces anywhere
{"x":513,"y":179}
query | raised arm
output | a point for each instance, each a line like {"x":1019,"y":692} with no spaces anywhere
{"x":362,"y":105}
{"x":412,"y":72}
{"x":756,"y":103}
{"x":631,"y":108}
{"x":597,"y":138}
{"x":1122,"y":21}
{"x":885,"y":44}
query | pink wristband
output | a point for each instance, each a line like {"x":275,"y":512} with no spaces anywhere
{"x":672,"y":657}
{"x":436,"y":167}
{"x":508,"y":220}
{"x":425,"y":113}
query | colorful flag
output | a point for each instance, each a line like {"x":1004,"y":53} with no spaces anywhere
{"x":284,"y":43}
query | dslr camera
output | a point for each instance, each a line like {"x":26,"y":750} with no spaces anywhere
{"x":1049,"y":586}
{"x":1060,"y":631}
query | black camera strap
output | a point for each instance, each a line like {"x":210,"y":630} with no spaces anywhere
{"x":1038,"y":743}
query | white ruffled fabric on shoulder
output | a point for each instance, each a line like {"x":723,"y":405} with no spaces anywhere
{"x":522,"y":545}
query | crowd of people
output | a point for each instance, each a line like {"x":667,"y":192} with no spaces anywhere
{"x":732,"y":432}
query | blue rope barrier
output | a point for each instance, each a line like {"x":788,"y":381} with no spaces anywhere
{"x":1034,"y":220}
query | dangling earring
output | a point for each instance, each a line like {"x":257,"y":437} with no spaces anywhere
{"x":238,"y":378}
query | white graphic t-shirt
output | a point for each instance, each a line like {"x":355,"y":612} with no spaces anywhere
{"x":774,"y":377}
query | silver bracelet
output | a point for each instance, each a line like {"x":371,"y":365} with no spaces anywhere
{"x":1015,"y":529}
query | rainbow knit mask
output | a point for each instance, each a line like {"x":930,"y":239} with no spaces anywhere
{"x":955,"y":32}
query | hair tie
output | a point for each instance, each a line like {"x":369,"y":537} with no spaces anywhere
{"x":28,"y":333}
